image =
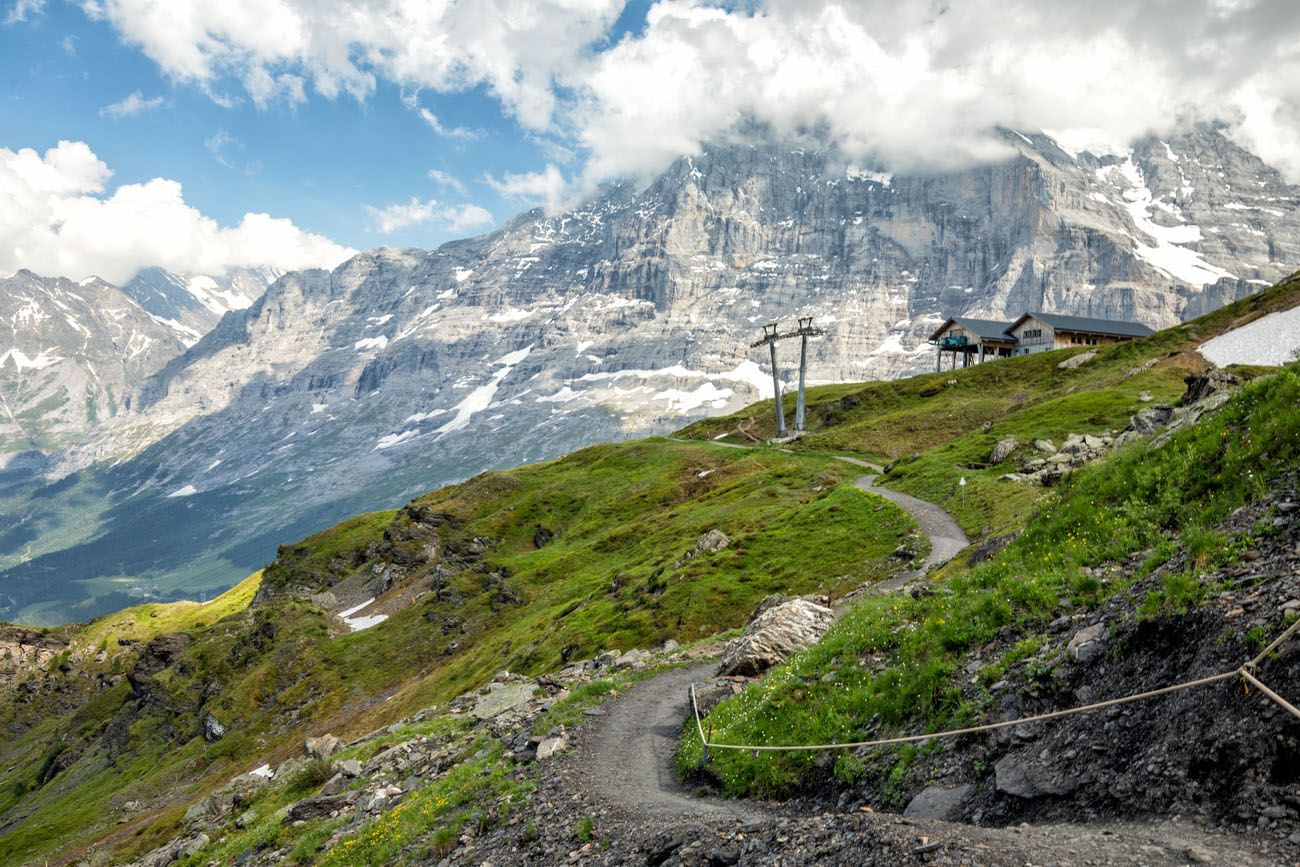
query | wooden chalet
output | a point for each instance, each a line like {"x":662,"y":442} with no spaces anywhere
{"x":977,"y":340}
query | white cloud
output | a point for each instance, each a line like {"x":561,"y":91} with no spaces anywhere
{"x":58,"y":217}
{"x":547,"y":187}
{"x":513,"y":48}
{"x":900,"y":84}
{"x":398,"y":216}
{"x":465,"y":218}
{"x":22,"y":9}
{"x":454,"y":218}
{"x":131,"y":106}
{"x":459,"y":132}
{"x":446,"y":180}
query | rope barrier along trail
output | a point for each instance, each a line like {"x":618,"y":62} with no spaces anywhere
{"x":1244,"y":673}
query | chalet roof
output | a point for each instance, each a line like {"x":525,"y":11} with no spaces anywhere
{"x":1086,"y":325}
{"x":985,"y":329}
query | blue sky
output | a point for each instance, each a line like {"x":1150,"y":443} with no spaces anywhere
{"x":319,"y":163}
{"x":320,"y":114}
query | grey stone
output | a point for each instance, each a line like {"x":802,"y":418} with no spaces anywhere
{"x":1087,"y":643}
{"x":937,"y":802}
{"x":322,"y":747}
{"x":1076,"y":361}
{"x":1023,"y":779}
{"x":317,"y":807}
{"x":1003,"y":450}
{"x":552,"y":746}
{"x":712,"y":542}
{"x":213,"y":730}
{"x":349,"y":767}
{"x":776,"y":633}
{"x":1045,"y":446}
{"x":502,"y":697}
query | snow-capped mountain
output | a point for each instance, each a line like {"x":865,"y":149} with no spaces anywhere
{"x":191,"y":304}
{"x":69,"y":355}
{"x":403,"y":369}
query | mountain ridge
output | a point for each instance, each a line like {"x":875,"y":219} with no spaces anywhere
{"x":631,"y":313}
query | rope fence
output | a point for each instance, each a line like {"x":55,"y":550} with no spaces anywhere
{"x":1244,"y":672}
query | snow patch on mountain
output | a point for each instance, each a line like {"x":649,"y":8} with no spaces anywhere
{"x":481,"y":398}
{"x":1271,"y":340}
{"x":1168,"y":255}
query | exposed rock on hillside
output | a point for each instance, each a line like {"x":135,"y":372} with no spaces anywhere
{"x":778,"y":629}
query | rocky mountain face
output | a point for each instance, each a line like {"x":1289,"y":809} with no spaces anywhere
{"x":69,"y":355}
{"x":191,"y":304}
{"x":403,"y":369}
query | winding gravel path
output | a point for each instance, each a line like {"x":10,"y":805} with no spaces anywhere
{"x":630,"y":758}
{"x":946,"y":536}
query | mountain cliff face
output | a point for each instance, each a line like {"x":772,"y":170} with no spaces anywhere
{"x":69,"y":355}
{"x":404,"y":369}
{"x":191,"y":304}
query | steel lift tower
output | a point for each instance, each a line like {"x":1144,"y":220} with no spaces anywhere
{"x":805,"y":331}
{"x":770,"y":337}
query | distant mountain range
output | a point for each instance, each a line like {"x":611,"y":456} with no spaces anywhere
{"x":339,"y":392}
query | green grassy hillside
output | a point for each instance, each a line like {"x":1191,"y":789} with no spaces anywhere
{"x":1139,"y":501}
{"x":529,"y":568}
{"x":616,"y":571}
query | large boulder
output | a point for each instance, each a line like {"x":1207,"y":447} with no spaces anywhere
{"x":1087,"y":643}
{"x":213,"y":730}
{"x":1076,"y":361}
{"x":316,"y":807}
{"x":1003,"y":450}
{"x":1150,"y":419}
{"x":937,"y":802}
{"x":774,"y":634}
{"x":501,"y":697}
{"x":1025,"y":779}
{"x":322,"y":747}
{"x":712,"y":542}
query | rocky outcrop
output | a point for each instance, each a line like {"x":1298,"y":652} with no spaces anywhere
{"x":773,"y":634}
{"x":1205,"y":393}
{"x":24,"y":652}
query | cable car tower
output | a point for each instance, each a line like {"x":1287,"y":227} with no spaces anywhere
{"x":770,"y":337}
{"x":771,"y":334}
{"x":805,"y":331}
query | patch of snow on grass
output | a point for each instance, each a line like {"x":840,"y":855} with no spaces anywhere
{"x":264,"y":771}
{"x":1271,"y":340}
{"x":356,"y":624}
